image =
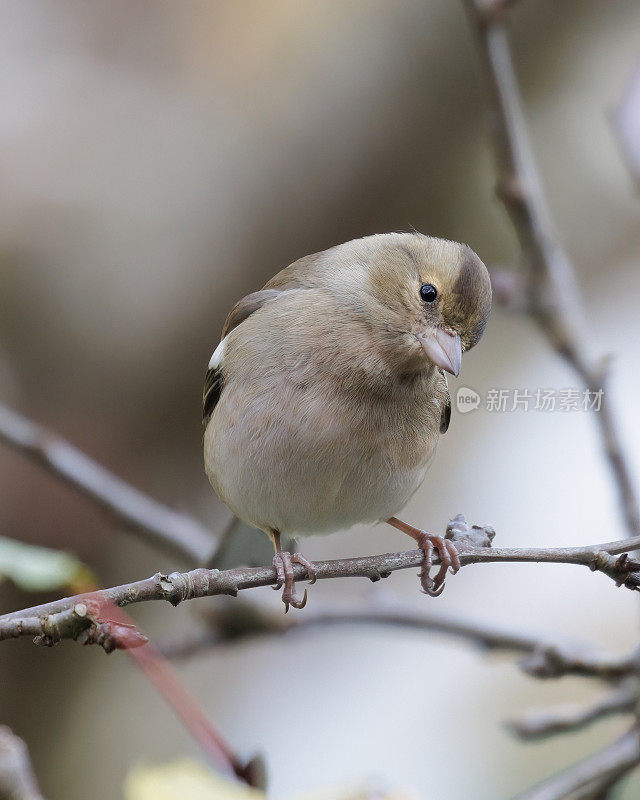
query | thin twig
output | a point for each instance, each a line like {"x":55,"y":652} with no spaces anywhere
{"x":160,"y":673}
{"x":61,"y":619}
{"x":159,"y":524}
{"x":626,"y":125}
{"x":238,"y":621}
{"x":112,"y":628}
{"x":568,"y":658}
{"x":545,"y":722}
{"x":553,"y":299}
{"x":242,"y":621}
{"x":601,"y":788}
{"x":612,"y":762}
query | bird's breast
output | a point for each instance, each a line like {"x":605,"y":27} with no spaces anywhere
{"x":303,"y":456}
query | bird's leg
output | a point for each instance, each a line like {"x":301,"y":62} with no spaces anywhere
{"x":427,"y":542}
{"x":283,"y":562}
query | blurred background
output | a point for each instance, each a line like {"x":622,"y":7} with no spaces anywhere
{"x":160,"y":160}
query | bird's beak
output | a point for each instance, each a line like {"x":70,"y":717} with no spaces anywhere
{"x":444,"y":349}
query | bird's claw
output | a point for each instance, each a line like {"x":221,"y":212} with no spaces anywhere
{"x":283,"y":562}
{"x":449,"y":560}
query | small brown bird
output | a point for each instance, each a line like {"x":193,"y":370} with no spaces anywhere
{"x":325,"y":399}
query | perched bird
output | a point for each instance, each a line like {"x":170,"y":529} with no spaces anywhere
{"x":325,"y":399}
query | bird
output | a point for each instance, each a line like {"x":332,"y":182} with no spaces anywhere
{"x":325,"y":399}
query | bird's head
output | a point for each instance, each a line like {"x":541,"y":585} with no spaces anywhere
{"x":429,"y":298}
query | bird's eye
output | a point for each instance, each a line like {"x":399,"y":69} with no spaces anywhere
{"x":428,"y":292}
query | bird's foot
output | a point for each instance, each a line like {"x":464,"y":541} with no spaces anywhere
{"x":449,"y":559}
{"x":283,"y":562}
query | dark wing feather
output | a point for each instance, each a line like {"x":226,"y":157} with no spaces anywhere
{"x":214,"y":379}
{"x":445,"y":416}
{"x":213,"y":384}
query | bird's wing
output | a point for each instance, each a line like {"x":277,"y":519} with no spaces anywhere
{"x":305,"y":273}
{"x":214,"y":379}
{"x":445,"y":416}
{"x":308,"y":272}
{"x":245,"y":307}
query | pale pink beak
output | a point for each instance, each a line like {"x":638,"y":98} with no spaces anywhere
{"x":444,"y":349}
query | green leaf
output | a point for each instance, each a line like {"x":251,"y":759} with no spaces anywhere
{"x":39,"y":569}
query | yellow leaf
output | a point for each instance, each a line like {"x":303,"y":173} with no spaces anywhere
{"x":186,"y":778}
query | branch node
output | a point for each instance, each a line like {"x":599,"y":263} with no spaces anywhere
{"x":173,"y":587}
{"x":466,"y":536}
{"x":80,"y":609}
{"x":376,"y":575}
{"x":546,"y":661}
{"x":622,"y":569}
{"x":44,"y":641}
{"x":112,"y":636}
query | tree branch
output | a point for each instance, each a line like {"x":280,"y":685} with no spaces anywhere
{"x":552,"y":299}
{"x":612,"y":762}
{"x":64,"y":618}
{"x":542,"y":722}
{"x":17,"y":780}
{"x":626,"y":125}
{"x":156,"y":522}
{"x":241,"y":621}
{"x":567,"y":658}
{"x":552,"y":296}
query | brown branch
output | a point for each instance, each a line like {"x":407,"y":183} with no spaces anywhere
{"x":158,"y":670}
{"x":567,"y":658}
{"x":159,"y":524}
{"x":552,"y":299}
{"x":241,"y":621}
{"x":62,"y":619}
{"x":546,"y":722}
{"x":111,"y":627}
{"x":592,"y":773}
{"x":17,"y":780}
{"x":552,"y":296}
{"x":160,"y":673}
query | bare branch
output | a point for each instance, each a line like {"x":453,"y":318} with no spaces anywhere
{"x":626,"y":125}
{"x":592,"y":773}
{"x":599,"y":789}
{"x":159,"y":524}
{"x":545,"y":722}
{"x":17,"y":781}
{"x":233,"y":622}
{"x":242,"y":621}
{"x":160,"y":673}
{"x":60,"y":619}
{"x":553,"y":298}
{"x":567,"y":658}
